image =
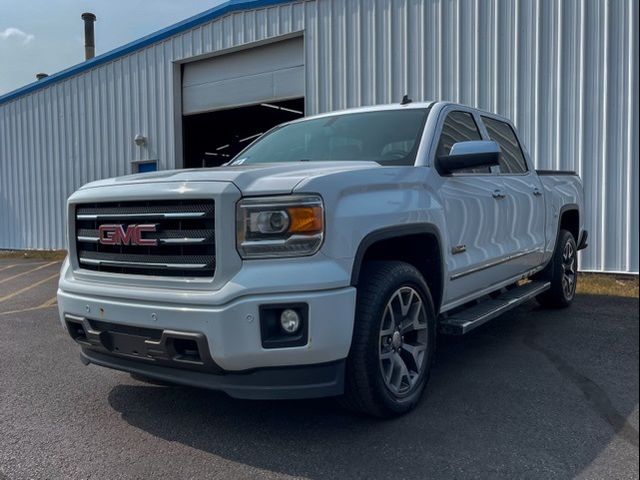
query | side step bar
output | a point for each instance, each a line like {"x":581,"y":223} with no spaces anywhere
{"x":466,"y":320}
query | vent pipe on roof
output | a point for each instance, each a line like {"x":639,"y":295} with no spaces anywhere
{"x":40,"y":76}
{"x":89,"y":38}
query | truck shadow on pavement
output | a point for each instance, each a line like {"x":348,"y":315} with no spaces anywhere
{"x":535,"y":393}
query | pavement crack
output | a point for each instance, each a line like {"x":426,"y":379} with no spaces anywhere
{"x":592,"y":392}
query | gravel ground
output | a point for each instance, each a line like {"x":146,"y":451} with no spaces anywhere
{"x":534,"y":394}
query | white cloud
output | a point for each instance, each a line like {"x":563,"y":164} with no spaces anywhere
{"x":17,"y":33}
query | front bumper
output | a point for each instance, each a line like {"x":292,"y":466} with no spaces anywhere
{"x":231,"y":357}
{"x":275,"y":383}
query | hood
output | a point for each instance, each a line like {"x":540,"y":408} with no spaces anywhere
{"x":254,"y":179}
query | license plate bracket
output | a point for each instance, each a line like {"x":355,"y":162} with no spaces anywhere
{"x":127,"y":344}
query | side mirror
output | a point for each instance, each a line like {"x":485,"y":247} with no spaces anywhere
{"x":473,"y":154}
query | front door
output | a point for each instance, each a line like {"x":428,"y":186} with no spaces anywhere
{"x":475,"y":209}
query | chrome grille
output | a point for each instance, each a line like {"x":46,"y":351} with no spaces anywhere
{"x":184,"y":231}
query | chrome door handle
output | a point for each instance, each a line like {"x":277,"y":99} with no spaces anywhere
{"x":497,"y":194}
{"x":537,"y":192}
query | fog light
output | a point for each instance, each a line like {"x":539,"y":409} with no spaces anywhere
{"x":290,"y":321}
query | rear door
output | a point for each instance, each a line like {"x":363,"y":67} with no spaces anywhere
{"x":524,"y":230}
{"x":475,"y":212}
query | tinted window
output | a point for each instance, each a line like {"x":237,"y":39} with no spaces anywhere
{"x":389,"y":137}
{"x":459,"y":127}
{"x":511,"y":158}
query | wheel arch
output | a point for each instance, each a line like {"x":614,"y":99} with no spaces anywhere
{"x":417,"y":244}
{"x":569,"y":219}
{"x":568,"y":213}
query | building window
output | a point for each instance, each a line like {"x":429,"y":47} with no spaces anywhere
{"x":144,"y":167}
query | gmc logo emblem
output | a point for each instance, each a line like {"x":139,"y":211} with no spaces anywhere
{"x":126,"y":235}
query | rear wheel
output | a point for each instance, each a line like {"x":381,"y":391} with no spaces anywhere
{"x":393,"y":341}
{"x":562,"y":272}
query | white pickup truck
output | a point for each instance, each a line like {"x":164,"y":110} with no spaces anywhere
{"x":324,"y":259}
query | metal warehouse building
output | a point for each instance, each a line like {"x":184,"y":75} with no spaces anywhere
{"x":196,"y":92}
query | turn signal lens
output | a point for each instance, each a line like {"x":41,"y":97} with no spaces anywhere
{"x":305,"y":219}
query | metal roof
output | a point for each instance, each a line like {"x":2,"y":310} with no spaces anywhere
{"x":211,"y":14}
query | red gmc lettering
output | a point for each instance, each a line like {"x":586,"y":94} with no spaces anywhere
{"x":131,"y":235}
{"x":148,"y":242}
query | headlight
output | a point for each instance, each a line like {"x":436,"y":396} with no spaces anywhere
{"x":280,"y":226}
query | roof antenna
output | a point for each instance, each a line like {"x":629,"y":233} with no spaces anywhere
{"x":405,"y":100}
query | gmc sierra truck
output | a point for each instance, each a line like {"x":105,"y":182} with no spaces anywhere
{"x":323,"y":259}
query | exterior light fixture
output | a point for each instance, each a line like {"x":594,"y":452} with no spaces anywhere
{"x":290,"y":321}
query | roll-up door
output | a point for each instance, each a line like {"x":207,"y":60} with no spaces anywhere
{"x":261,"y":74}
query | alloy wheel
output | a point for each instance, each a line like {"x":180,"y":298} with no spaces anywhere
{"x":569,"y":264}
{"x":403,"y":341}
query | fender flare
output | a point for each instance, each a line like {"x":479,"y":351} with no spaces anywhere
{"x":569,"y":207}
{"x":399,"y":231}
{"x":581,"y":240}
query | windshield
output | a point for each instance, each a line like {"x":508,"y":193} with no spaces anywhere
{"x":389,"y":137}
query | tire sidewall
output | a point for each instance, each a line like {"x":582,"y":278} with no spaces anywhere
{"x":409,"y":277}
{"x":565,"y":238}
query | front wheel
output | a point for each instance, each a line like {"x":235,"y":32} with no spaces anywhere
{"x":393,"y":341}
{"x":562,"y":272}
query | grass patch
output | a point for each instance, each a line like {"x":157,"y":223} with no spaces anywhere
{"x":34,"y":254}
{"x":608,"y":284}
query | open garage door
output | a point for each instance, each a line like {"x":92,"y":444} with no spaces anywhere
{"x":230,"y":100}
{"x":267,"y":73}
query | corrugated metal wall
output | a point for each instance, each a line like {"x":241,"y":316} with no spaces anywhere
{"x":565,"y":71}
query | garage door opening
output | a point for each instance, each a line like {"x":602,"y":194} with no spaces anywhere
{"x":230,"y":99}
{"x":214,"y":138}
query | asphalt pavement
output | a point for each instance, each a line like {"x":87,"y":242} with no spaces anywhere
{"x":534,"y":394}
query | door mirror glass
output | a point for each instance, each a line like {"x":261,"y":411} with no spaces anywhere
{"x":472,"y":154}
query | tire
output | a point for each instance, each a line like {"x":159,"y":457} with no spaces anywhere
{"x":562,"y":272}
{"x":375,"y":383}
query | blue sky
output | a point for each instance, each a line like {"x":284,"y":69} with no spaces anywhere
{"x":48,"y":36}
